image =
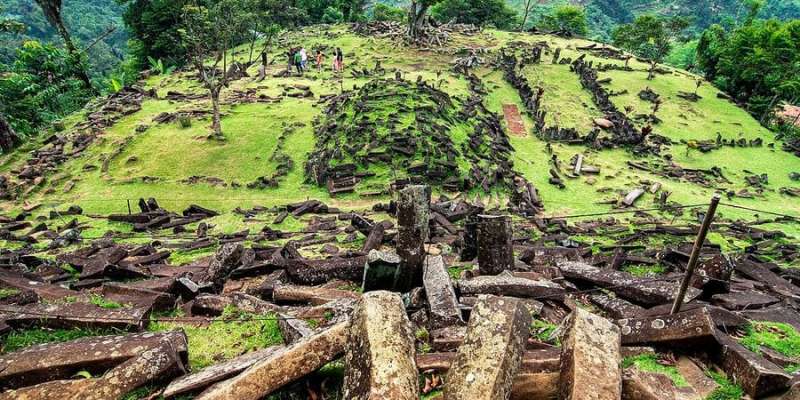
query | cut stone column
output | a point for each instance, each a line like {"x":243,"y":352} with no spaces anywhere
{"x":495,"y":247}
{"x":442,"y":299}
{"x":469,"y":248}
{"x":509,"y":285}
{"x":491,"y":354}
{"x":688,"y":328}
{"x":590,"y":358}
{"x":413,"y":214}
{"x":757,"y":376}
{"x":270,"y":374}
{"x":379,"y":358}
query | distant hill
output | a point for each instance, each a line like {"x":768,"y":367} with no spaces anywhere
{"x":86,"y":20}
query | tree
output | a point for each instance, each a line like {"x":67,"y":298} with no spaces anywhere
{"x":476,"y":12}
{"x":383,"y":12}
{"x":208,"y":33}
{"x":417,"y":16}
{"x":52,"y":11}
{"x":526,"y":12}
{"x":8,"y":136}
{"x":649,"y":37}
{"x":567,"y":20}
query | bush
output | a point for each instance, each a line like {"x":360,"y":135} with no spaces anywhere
{"x":383,"y":12}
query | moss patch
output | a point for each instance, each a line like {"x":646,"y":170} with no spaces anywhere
{"x":782,"y":338}
{"x":726,"y":390}
{"x":18,"y":340}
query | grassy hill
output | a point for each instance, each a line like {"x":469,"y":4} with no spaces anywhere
{"x":177,"y":164}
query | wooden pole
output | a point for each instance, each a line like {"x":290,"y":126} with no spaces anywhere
{"x":698,"y":244}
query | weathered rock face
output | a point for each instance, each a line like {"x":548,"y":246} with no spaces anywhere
{"x":272,"y":373}
{"x":225,"y":259}
{"x":45,"y":362}
{"x":413,"y":214}
{"x":495,"y":247}
{"x":491,"y":354}
{"x":152,"y":365}
{"x":218,"y":372}
{"x":692,"y":327}
{"x":442,"y":301}
{"x":379,"y":358}
{"x":509,"y":285}
{"x":640,"y":291}
{"x":757,"y":376}
{"x":590,"y":358}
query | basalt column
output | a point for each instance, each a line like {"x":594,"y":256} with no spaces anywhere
{"x":413,"y":213}
{"x":495,"y":250}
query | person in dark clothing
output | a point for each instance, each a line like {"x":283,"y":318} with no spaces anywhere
{"x":339,"y":60}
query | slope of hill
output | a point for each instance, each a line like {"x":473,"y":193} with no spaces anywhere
{"x":291,"y":218}
{"x":270,"y":130}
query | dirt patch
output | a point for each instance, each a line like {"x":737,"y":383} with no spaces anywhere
{"x":514,"y":119}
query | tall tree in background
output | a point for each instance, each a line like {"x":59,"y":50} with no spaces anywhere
{"x":417,"y":16}
{"x":650,"y":37}
{"x":526,"y":12}
{"x":476,"y":12}
{"x":52,"y":11}
{"x":566,"y":20}
{"x":208,"y":34}
{"x":8,"y":137}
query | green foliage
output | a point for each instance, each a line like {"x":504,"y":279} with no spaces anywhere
{"x":158,"y":68}
{"x":726,"y":390}
{"x":544,"y":331}
{"x":153,"y":25}
{"x":780,"y":337}
{"x":649,"y":36}
{"x":649,"y":363}
{"x":41,"y":86}
{"x":20,"y":339}
{"x":757,"y":63}
{"x":332,"y":15}
{"x":683,"y":55}
{"x":478,"y":12}
{"x":383,"y":12}
{"x":567,"y":19}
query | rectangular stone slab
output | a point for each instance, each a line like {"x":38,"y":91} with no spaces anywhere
{"x":442,"y":301}
{"x":491,"y":354}
{"x":379,"y":356}
{"x":615,"y":307}
{"x":749,"y":300}
{"x":270,"y":374}
{"x":638,"y":290}
{"x":508,"y":285}
{"x":763,"y":274}
{"x":218,"y":372}
{"x":45,"y":362}
{"x":694,"y":327}
{"x":149,"y":365}
{"x":590,"y":358}
{"x":44,"y":290}
{"x":757,"y":376}
{"x":74,"y":315}
{"x":315,"y":272}
{"x":313,"y":295}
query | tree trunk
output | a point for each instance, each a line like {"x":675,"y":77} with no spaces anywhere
{"x":525,"y":16}
{"x":216,"y":126}
{"x":73,"y":51}
{"x":8,"y":138}
{"x":416,"y":18}
{"x":652,"y":73}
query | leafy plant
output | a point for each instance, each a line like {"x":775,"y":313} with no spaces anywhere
{"x":157,"y":66}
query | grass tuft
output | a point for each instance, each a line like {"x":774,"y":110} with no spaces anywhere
{"x":18,"y":340}
{"x":780,"y":337}
{"x":649,"y":363}
{"x":726,"y":390}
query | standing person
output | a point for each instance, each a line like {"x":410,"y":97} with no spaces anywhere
{"x":290,"y":55}
{"x":303,"y":58}
{"x":298,"y":62}
{"x":340,"y":59}
{"x":320,"y":60}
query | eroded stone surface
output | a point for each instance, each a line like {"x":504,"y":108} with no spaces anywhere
{"x":757,"y":376}
{"x":491,"y":354}
{"x":495,"y":247}
{"x":379,"y":357}
{"x":508,"y":285}
{"x":692,"y":327}
{"x":590,"y":358}
{"x":442,"y":301}
{"x":272,"y":373}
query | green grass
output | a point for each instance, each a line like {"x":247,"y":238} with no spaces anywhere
{"x":780,"y":337}
{"x":643,"y":270}
{"x":649,"y":363}
{"x":20,"y":339}
{"x":726,"y":390}
{"x":101,"y":302}
{"x":223,"y":340}
{"x":8,"y":292}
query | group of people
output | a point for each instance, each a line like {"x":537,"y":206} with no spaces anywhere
{"x":298,"y":58}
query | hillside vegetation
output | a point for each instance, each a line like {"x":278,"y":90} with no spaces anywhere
{"x":270,"y":136}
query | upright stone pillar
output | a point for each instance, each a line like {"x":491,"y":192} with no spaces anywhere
{"x":495,"y":247}
{"x":413,"y":214}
